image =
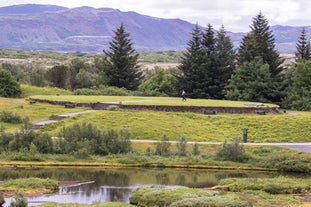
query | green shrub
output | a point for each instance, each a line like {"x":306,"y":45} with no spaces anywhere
{"x":182,"y":145}
{"x":19,"y":200}
{"x":233,"y":151}
{"x":10,"y":117}
{"x":105,"y":91}
{"x":195,"y":149}
{"x":163,"y":147}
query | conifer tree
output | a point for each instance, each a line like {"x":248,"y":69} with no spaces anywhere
{"x":303,"y":46}
{"x":207,"y":64}
{"x":191,"y":63}
{"x":259,"y":42}
{"x":250,"y":82}
{"x":121,"y":62}
{"x":225,"y":56}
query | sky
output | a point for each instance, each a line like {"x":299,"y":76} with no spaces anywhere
{"x":235,"y":15}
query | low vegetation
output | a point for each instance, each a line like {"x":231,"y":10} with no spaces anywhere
{"x":177,"y":196}
{"x":197,"y":127}
{"x":30,"y":186}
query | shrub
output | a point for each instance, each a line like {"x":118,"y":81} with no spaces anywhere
{"x":10,"y":117}
{"x":19,"y":200}
{"x":105,"y":91}
{"x":195,"y":149}
{"x":233,"y":151}
{"x":182,"y":146}
{"x":163,"y":147}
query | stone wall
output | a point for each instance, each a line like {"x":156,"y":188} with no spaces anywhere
{"x":204,"y":109}
{"x":196,"y":109}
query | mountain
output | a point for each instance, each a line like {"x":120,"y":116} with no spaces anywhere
{"x":29,"y":9}
{"x":86,"y":29}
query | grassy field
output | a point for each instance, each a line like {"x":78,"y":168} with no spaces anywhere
{"x":285,"y":127}
{"x":198,"y":127}
{"x":35,"y":112}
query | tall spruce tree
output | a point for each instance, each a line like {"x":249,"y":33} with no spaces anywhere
{"x":225,"y":57}
{"x":259,"y":42}
{"x":250,"y":82}
{"x":303,"y":46}
{"x":121,"y":63}
{"x":191,"y":64}
{"x":207,"y":64}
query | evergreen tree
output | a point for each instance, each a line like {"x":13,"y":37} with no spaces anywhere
{"x":250,"y":82}
{"x":299,"y":94}
{"x":9,"y":87}
{"x":58,"y":76}
{"x":208,"y":40}
{"x":191,"y":64}
{"x":303,"y":46}
{"x":208,"y":63}
{"x":260,"y":43}
{"x":120,"y":63}
{"x":225,"y":56}
{"x":208,"y":78}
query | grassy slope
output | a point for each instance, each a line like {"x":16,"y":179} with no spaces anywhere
{"x":198,"y":127}
{"x":290,"y":127}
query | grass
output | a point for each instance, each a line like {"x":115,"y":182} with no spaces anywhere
{"x":137,"y":100}
{"x":36,"y":112}
{"x":31,"y":186}
{"x":153,"y":125}
{"x":28,"y":90}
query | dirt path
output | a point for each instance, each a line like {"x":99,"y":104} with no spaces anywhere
{"x":58,"y":117}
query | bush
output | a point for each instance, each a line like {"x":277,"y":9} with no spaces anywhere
{"x":105,"y":91}
{"x":163,"y":147}
{"x":19,"y":200}
{"x":233,"y":151}
{"x":182,"y":146}
{"x":94,"y":141}
{"x":10,"y":117}
{"x":195,"y":149}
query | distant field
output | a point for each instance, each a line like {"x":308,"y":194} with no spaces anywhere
{"x":136,"y":100}
{"x":284,"y":127}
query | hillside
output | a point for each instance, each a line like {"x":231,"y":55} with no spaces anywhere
{"x":86,"y":29}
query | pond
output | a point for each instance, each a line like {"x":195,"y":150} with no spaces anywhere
{"x":115,"y":184}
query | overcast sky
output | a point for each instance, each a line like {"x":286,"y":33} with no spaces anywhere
{"x":235,"y":15}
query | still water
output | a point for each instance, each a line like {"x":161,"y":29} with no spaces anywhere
{"x":115,"y":184}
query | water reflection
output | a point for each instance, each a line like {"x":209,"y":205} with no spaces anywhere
{"x":117,"y":184}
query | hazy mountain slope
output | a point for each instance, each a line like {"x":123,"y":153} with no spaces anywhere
{"x":47,"y":27}
{"x":29,"y":9}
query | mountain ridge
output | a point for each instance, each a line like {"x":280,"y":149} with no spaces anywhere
{"x":88,"y":29}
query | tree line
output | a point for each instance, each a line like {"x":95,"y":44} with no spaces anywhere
{"x":211,"y":67}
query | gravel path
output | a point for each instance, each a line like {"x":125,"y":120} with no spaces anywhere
{"x":305,"y":147}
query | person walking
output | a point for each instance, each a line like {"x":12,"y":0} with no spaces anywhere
{"x":183,"y":95}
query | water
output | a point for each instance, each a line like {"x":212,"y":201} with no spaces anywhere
{"x":114,"y":184}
